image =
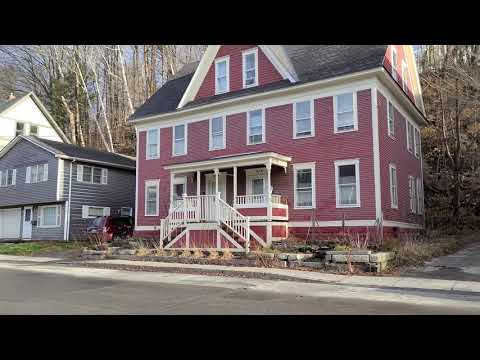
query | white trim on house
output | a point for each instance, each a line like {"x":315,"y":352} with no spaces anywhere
{"x":376,"y":155}
{"x":302,"y":166}
{"x":224,"y":132}
{"x":264,"y":137}
{"x":337,"y":165}
{"x":185,"y":139}
{"x":245,"y":53}
{"x":40,"y":217}
{"x":147,"y":144}
{"x":393,"y":189}
{"x":103,"y":176}
{"x":148,"y":183}
{"x":136,"y":178}
{"x":130,"y":211}
{"x":312,"y":119}
{"x":390,"y":128}
{"x":335,"y":113}
{"x":402,"y":224}
{"x":225,"y":59}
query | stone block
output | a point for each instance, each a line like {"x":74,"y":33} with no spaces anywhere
{"x":352,"y":252}
{"x":353,"y":258}
{"x":282,"y":256}
{"x":313,"y":264}
{"x":93,"y":252}
{"x":126,"y":251}
{"x":381,"y":257}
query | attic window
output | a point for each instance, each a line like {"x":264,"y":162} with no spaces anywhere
{"x":20,"y":130}
{"x":222,"y":80}
{"x":33,"y":130}
{"x":250,"y":68}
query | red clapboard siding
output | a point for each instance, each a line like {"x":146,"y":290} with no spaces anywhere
{"x":395,"y":151}
{"x":400,"y":57}
{"x":267,"y":73}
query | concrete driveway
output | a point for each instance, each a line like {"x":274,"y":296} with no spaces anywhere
{"x":463,"y":266}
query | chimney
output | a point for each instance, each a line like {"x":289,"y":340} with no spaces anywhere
{"x":11,"y":97}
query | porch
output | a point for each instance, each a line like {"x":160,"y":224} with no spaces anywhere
{"x":248,"y":183}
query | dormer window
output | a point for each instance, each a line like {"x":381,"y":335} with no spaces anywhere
{"x":222,"y":80}
{"x":250,"y":68}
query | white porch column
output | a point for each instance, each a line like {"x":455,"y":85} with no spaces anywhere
{"x":234,"y":186}
{"x":172,"y":176}
{"x":269,"y":190}
{"x":216,"y":181}
{"x":198,"y":182}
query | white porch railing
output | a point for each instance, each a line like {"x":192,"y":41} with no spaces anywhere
{"x":259,"y":200}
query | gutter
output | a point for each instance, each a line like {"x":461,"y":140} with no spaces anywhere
{"x":66,"y":157}
{"x":67,"y":223}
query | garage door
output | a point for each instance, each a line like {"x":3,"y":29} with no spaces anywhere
{"x":10,"y":220}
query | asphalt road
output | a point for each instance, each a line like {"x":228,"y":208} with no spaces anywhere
{"x":25,"y":292}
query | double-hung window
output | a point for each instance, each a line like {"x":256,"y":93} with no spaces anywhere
{"x":20,"y":129}
{"x":303,"y":124}
{"x":8,"y":177}
{"x":393,"y":186}
{"x":419,"y":196}
{"x":391,"y":120}
{"x":347,"y":179}
{"x":33,"y":130}
{"x":412,"y":190}
{"x":92,"y":175}
{"x":36,"y":173}
{"x":217,"y":133}
{"x":90,"y":212}
{"x":222,"y":76}
{"x":49,"y":216}
{"x":345,"y":112}
{"x":394,"y":62}
{"x":151,"y":197}
{"x":304,"y":184}
{"x":417,"y":143}
{"x":255,"y":127}
{"x":410,"y":137}
{"x":180,"y":139}
{"x":250,"y":68}
{"x":404,"y":76}
{"x":153,"y":144}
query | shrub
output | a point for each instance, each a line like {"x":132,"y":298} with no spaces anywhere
{"x":141,"y":248}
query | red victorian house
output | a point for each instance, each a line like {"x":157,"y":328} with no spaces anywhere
{"x":251,"y":143}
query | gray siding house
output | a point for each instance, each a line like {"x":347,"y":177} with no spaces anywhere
{"x":49,"y":190}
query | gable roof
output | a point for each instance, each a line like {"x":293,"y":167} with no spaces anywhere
{"x":6,"y":105}
{"x":74,"y":152}
{"x":310,"y":63}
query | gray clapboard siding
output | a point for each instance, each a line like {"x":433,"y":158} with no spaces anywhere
{"x":51,"y":233}
{"x":117,"y":193}
{"x":25,"y":154}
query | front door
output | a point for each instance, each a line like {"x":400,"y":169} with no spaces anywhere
{"x":27,"y":222}
{"x":222,"y":185}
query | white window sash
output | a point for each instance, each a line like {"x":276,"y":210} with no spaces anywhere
{"x":227,"y":75}
{"x":338,"y":164}
{"x":245,"y":69}
{"x":394,"y":57}
{"x":262,"y":112}
{"x":41,"y":217}
{"x":336,"y":113}
{"x":296,"y":119}
{"x":148,"y":184}
{"x":393,"y":187}
{"x":147,"y":146}
{"x":296,"y":169}
{"x":222,"y":134}
{"x":391,"y":124}
{"x":184,"y":139}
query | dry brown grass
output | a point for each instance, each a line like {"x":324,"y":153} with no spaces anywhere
{"x":197,"y":253}
{"x":185,"y":254}
{"x":141,"y":248}
{"x":227,"y":255}
{"x":213,"y":255}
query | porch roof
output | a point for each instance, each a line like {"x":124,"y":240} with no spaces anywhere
{"x":239,"y":160}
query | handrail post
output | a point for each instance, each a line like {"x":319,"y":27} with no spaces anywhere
{"x":247,"y":240}
{"x":217,"y":208}
{"x":162,"y":226}
{"x":184,"y":196}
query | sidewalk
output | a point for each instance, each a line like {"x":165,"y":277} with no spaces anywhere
{"x":386,"y":282}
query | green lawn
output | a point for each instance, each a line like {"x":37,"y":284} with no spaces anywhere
{"x":40,"y":247}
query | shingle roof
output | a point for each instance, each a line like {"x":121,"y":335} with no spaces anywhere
{"x":85,"y":153}
{"x":5,"y":104}
{"x":311,"y":63}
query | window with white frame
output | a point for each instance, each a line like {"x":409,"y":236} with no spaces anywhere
{"x":217,"y":133}
{"x":417,"y":143}
{"x":92,"y":175}
{"x":256,"y":181}
{"x":153,"y":144}
{"x":8,"y":177}
{"x":345,"y":112}
{"x":255,"y":127}
{"x":412,"y":190}
{"x":304,"y":186}
{"x":394,"y":62}
{"x":303,"y":124}
{"x":347,"y":179}
{"x":391,"y":120}
{"x":151,"y":197}
{"x":90,"y":212}
{"x":126,"y":211}
{"x":179,"y":188}
{"x":250,"y":68}
{"x":419,"y":196}
{"x":49,"y":216}
{"x":33,"y":130}
{"x":404,"y":76}
{"x":410,"y":137}
{"x":20,"y":129}
{"x":222,"y":81}
{"x":36,"y":173}
{"x":180,"y":139}
{"x":393,"y":186}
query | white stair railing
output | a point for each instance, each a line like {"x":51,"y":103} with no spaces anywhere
{"x":175,"y":218}
{"x":238,"y":223}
